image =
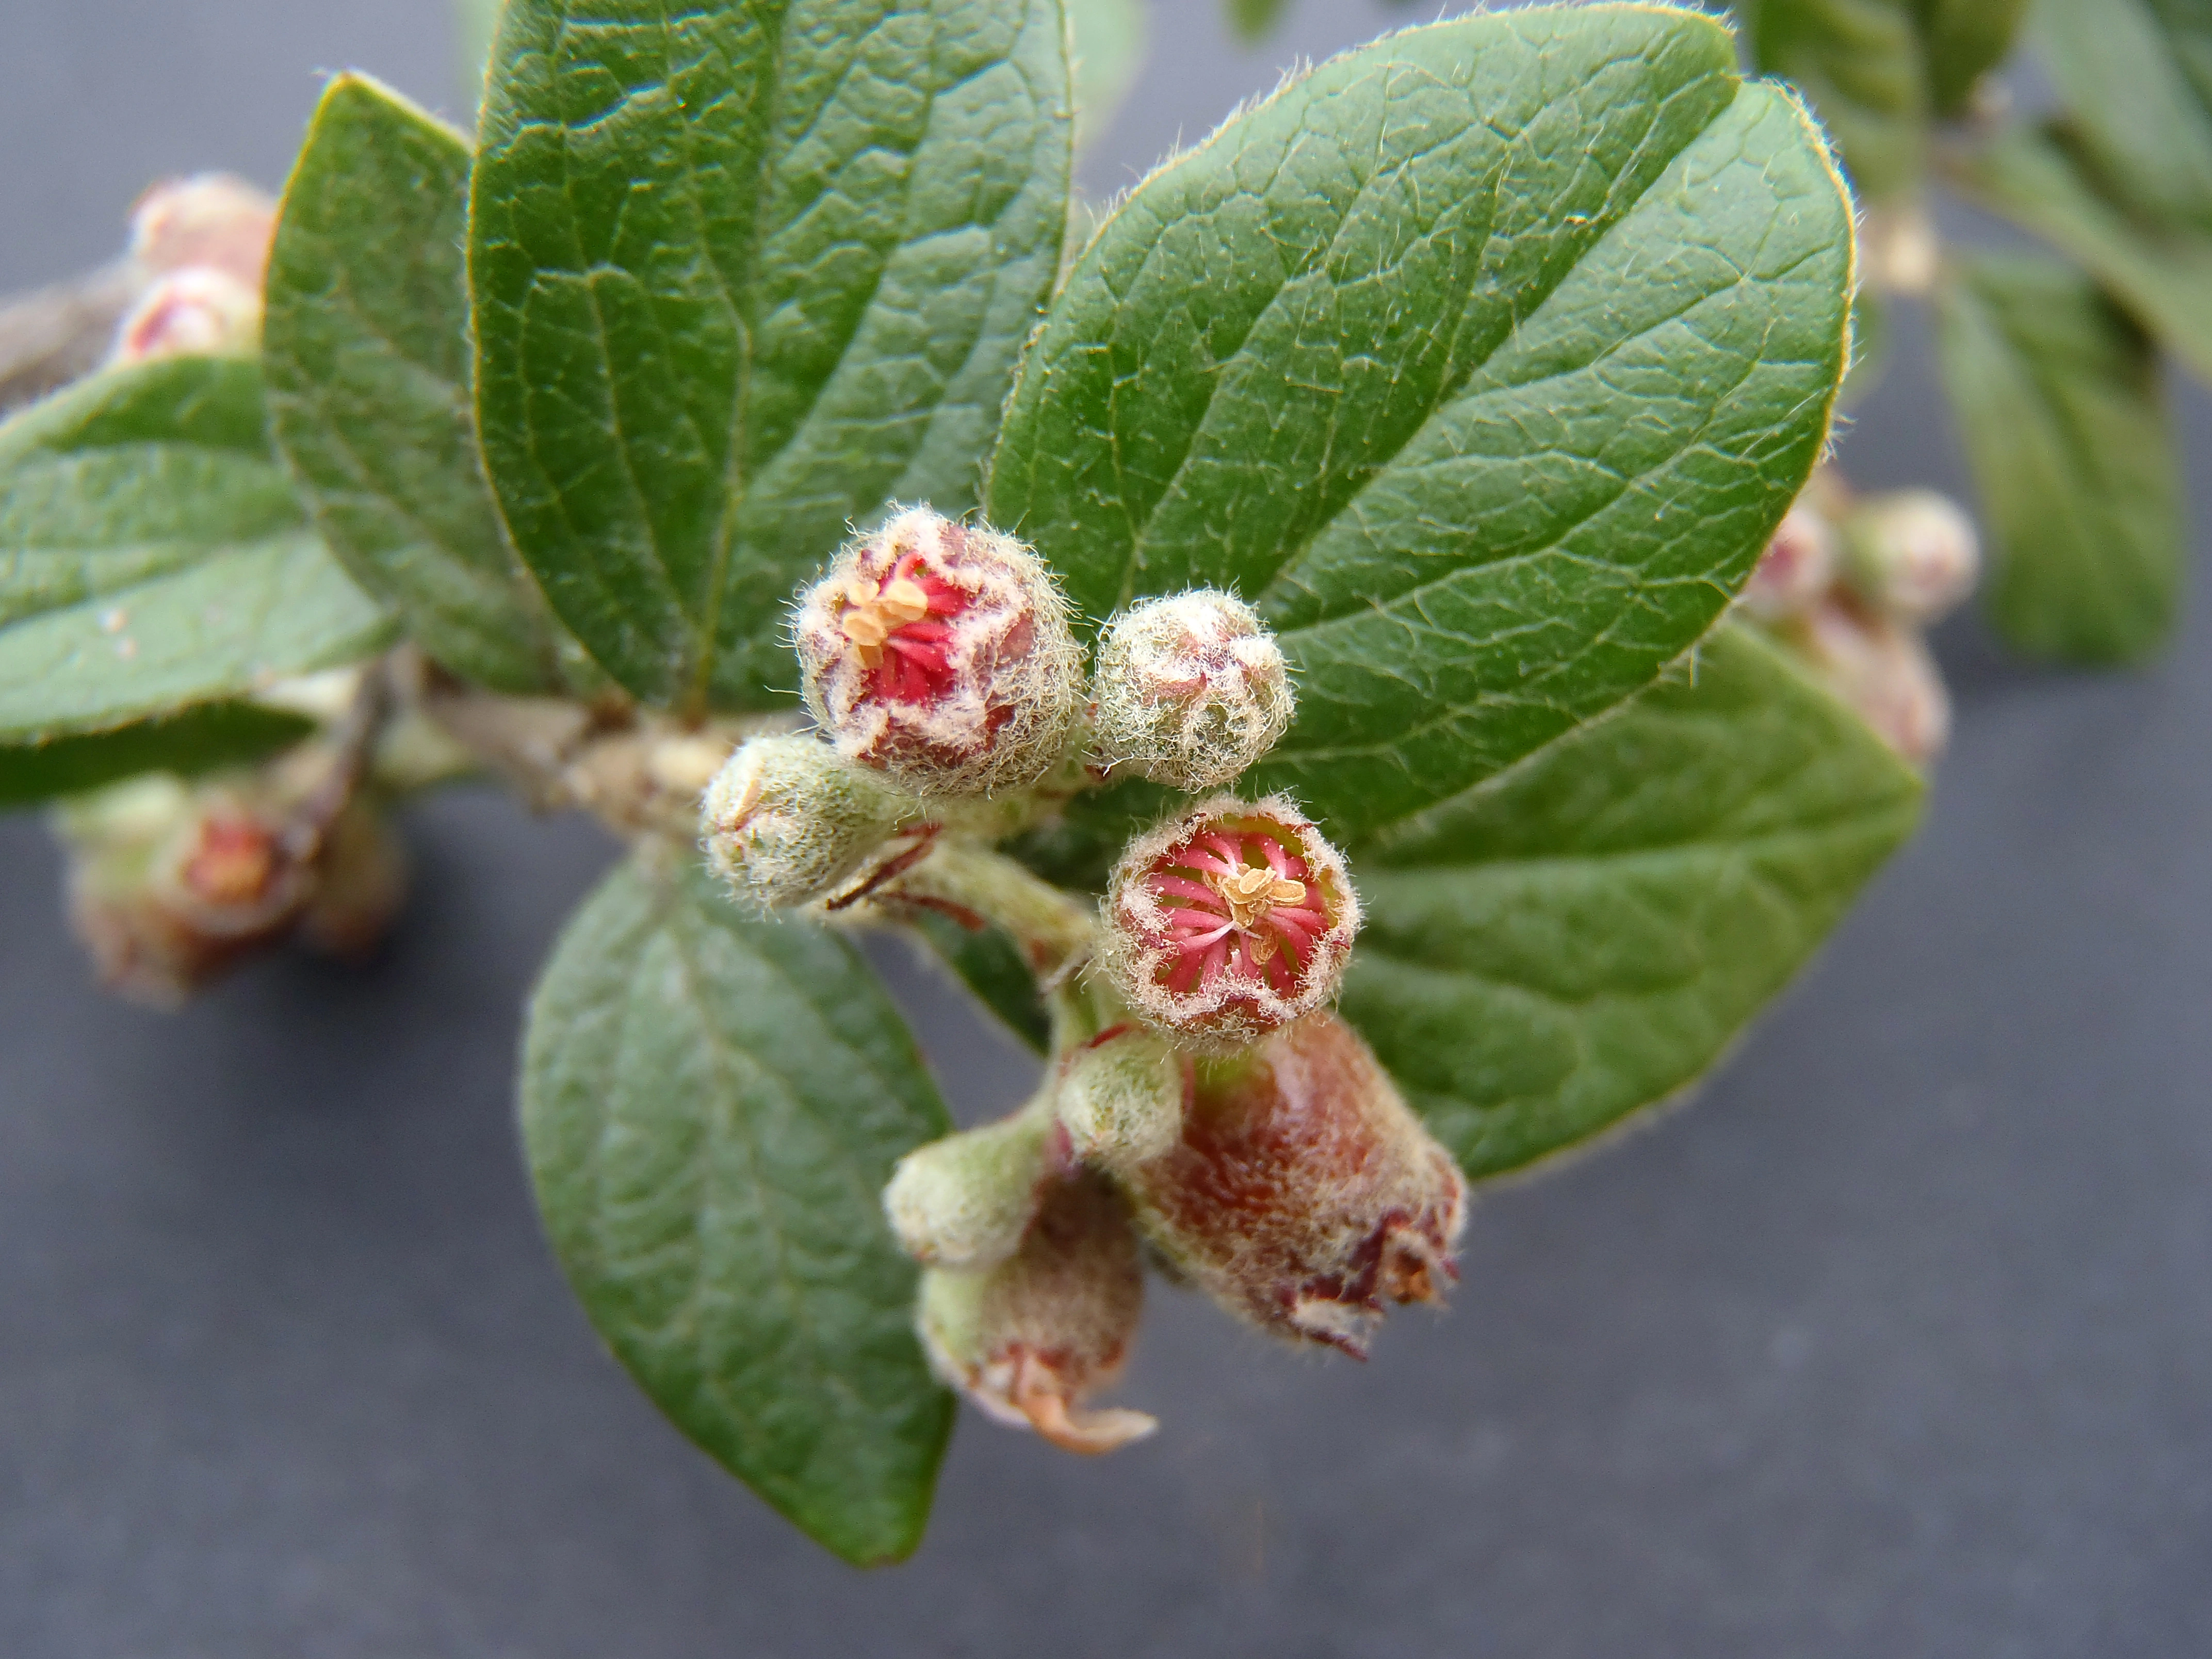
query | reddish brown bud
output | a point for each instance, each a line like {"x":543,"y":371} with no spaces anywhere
{"x":195,"y":313}
{"x":169,"y":887}
{"x":1032,"y":1338}
{"x":1882,"y":669}
{"x":941,"y":653}
{"x":1228,"y":922}
{"x":1303,"y":1194}
{"x":1798,"y":567}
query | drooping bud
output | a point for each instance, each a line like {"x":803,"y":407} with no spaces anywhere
{"x":787,"y":818}
{"x":1228,"y":922}
{"x":197,"y":312}
{"x":1882,"y":669}
{"x":360,"y":883}
{"x":210,"y":220}
{"x":1121,"y":1099}
{"x":965,"y":1202}
{"x":1913,"y":554}
{"x":1190,"y":690}
{"x":1303,"y":1194}
{"x":170,"y":886}
{"x":941,"y":654}
{"x":1031,"y":1339}
{"x":1798,"y":567}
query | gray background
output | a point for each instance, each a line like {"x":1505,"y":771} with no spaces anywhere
{"x":1897,"y":1342}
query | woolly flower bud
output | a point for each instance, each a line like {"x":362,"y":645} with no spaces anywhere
{"x":1228,"y":922}
{"x":1798,"y":567}
{"x":210,"y":219}
{"x":1882,"y":669}
{"x":1190,"y":691}
{"x":1032,"y":1338}
{"x":787,"y":818}
{"x":197,"y":311}
{"x":1913,"y":554}
{"x":941,"y":654}
{"x":1303,"y":1194}
{"x":170,"y":886}
{"x":1121,"y":1099}
{"x":360,"y":882}
{"x":964,"y":1201}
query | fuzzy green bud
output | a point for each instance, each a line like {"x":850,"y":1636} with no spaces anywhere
{"x":1190,"y":691}
{"x":964,"y":1201}
{"x":787,"y":818}
{"x":1121,"y":1099}
{"x":1912,"y":554}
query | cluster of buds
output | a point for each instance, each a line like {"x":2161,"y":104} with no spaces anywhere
{"x":201,"y":244}
{"x":1852,"y":584}
{"x":1204,"y":1103}
{"x":172,"y":883}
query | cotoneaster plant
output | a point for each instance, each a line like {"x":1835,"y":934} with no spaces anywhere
{"x":1284,"y":655}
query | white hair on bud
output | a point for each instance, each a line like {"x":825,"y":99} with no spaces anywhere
{"x":786,"y":819}
{"x":1190,"y":690}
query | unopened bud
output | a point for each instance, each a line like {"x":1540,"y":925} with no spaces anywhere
{"x":1229,"y":921}
{"x":941,"y":654}
{"x":964,"y":1201}
{"x":1882,"y":669}
{"x":1121,"y":1099}
{"x":1303,"y":1194}
{"x":1913,"y":554}
{"x":1190,"y":691}
{"x":1031,"y":1339}
{"x":360,"y":883}
{"x":169,"y":885}
{"x":211,"y":220}
{"x":1797,"y":568}
{"x":787,"y":818}
{"x":197,"y":312}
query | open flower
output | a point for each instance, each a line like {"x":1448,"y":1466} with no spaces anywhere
{"x":1302,"y":1194}
{"x":940,"y":652}
{"x":1229,"y":921}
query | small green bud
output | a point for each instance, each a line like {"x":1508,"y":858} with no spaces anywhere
{"x":1032,"y":1338}
{"x":1121,"y":1099}
{"x":1190,"y":691}
{"x":1913,"y":554}
{"x":965,"y":1200}
{"x":787,"y":818}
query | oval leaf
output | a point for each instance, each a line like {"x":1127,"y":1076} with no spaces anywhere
{"x":743,"y":275}
{"x":712,"y":1106}
{"x":365,"y":349}
{"x":2137,"y":78}
{"x":2057,"y":394}
{"x":202,"y":739}
{"x":1861,"y":63}
{"x":1585,"y":934}
{"x":1483,"y":360}
{"x":153,"y":555}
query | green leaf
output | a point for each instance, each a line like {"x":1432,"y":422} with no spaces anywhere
{"x":1483,"y":360}
{"x":366,"y":349}
{"x":743,"y":275}
{"x":153,"y":555}
{"x":1964,"y":40}
{"x":203,"y":739}
{"x":989,"y":963}
{"x":2039,"y":178}
{"x":2137,"y":78}
{"x":2057,"y":394}
{"x":1871,"y":332}
{"x":1585,"y":934}
{"x":1860,"y":64}
{"x":711,"y":1106}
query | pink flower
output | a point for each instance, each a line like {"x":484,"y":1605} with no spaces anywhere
{"x":1229,"y":921}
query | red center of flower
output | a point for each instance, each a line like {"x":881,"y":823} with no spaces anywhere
{"x":233,"y":863}
{"x":1239,"y":903}
{"x":899,"y":627}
